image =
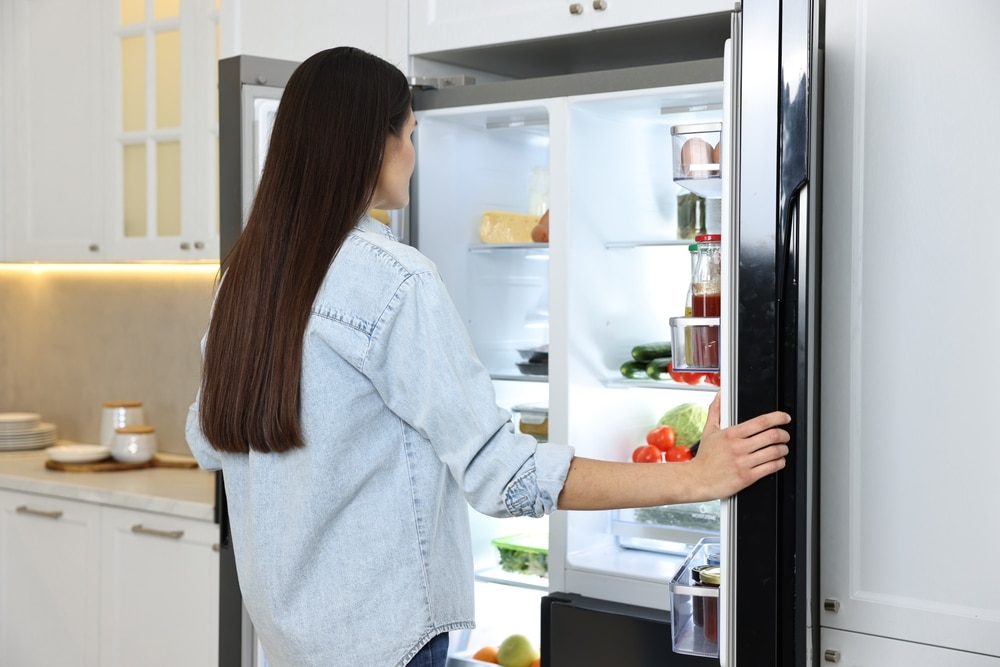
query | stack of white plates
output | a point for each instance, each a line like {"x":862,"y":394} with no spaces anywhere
{"x":25,"y":430}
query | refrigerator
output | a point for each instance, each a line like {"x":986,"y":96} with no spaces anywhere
{"x":597,"y":150}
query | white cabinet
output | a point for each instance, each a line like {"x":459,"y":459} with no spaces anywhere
{"x":443,"y":25}
{"x":91,"y":585}
{"x":49,"y":557}
{"x":860,"y":650}
{"x":907,"y":465}
{"x":55,"y":122}
{"x":82,"y":179}
{"x":159,"y":584}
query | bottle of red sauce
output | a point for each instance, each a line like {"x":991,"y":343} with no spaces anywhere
{"x":706,"y":282}
{"x":706,"y":301}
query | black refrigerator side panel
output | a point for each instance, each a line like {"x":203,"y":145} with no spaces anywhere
{"x":579,"y":632}
{"x":773,"y":524}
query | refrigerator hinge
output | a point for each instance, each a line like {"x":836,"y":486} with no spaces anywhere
{"x":437,"y":82}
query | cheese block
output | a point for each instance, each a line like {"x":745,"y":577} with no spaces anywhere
{"x":506,"y":227}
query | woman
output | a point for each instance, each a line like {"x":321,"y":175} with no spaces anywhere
{"x":350,"y":415}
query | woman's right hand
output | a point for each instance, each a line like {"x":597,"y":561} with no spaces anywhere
{"x":731,"y":459}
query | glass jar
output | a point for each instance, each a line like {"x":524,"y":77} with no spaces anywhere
{"x":711,"y":577}
{"x":697,"y":601}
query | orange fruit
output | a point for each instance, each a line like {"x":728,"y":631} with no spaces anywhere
{"x":486,"y":654}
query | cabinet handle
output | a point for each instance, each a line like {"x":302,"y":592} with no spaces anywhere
{"x":832,"y":605}
{"x":172,"y":534}
{"x":185,"y":246}
{"x":600,"y":5}
{"x":93,"y":247}
{"x":24,"y":509}
{"x":576,"y":8}
{"x":198,"y":245}
{"x":831,"y":656}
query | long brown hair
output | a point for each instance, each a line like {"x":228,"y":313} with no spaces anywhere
{"x":322,"y":166}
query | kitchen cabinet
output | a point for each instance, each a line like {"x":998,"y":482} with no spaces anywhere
{"x":93,"y":585}
{"x":49,"y":591}
{"x":861,"y":650}
{"x":55,"y":122}
{"x":82,"y":184}
{"x":907,"y":479}
{"x":159,"y":583}
{"x":441,"y":25}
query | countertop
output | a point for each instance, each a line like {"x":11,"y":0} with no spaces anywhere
{"x":179,"y":492}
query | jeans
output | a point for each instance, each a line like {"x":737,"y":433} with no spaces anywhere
{"x":433,"y":654}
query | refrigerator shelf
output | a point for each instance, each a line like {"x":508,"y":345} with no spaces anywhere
{"x":496,"y":575}
{"x":491,"y":247}
{"x":624,"y":383}
{"x":629,"y":245}
{"x":694,"y":608}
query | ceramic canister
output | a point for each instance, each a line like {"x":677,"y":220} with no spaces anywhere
{"x":117,"y":414}
{"x":133,"y":444}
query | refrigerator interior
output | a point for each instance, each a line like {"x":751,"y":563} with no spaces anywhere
{"x":613,"y":275}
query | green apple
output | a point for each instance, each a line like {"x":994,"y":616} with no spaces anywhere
{"x":516,"y":651}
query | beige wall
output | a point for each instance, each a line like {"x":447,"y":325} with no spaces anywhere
{"x":73,"y":337}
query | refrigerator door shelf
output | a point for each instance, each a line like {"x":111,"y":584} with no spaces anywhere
{"x":690,"y":604}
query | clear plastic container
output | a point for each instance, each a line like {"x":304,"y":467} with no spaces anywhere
{"x":686,"y":636}
{"x":695,"y":343}
{"x":697,"y":156}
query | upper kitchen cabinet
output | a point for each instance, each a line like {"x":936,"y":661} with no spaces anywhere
{"x":545,"y":37}
{"x":110,"y":130}
{"x":54,"y":158}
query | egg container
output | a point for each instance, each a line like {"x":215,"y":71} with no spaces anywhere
{"x":696,"y":165}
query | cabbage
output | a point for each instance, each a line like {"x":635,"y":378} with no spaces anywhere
{"x":688,"y":421}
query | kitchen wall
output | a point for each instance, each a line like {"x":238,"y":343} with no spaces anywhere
{"x":75,"y":336}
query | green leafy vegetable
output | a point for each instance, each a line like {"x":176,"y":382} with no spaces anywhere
{"x":687,"y":420}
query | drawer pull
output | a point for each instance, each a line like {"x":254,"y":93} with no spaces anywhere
{"x":600,"y":5}
{"x":576,"y":8}
{"x":172,"y":534}
{"x":24,"y":509}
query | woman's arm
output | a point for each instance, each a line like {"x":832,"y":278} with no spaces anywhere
{"x":728,"y":460}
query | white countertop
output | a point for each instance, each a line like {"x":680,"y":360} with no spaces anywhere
{"x":176,"y":491}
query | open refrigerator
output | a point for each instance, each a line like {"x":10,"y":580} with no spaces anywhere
{"x":598,"y":151}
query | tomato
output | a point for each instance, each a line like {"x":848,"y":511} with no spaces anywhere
{"x":678,"y":453}
{"x":713,"y":379}
{"x":647,"y":454}
{"x":683,"y":377}
{"x":662,"y":437}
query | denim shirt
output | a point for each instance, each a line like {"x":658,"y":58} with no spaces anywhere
{"x":355,"y":549}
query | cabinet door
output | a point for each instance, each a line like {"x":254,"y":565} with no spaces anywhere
{"x":159,"y":590}
{"x":442,"y":25}
{"x":54,"y":126}
{"x":861,"y":650}
{"x":907,"y":462}
{"x":49,"y":553}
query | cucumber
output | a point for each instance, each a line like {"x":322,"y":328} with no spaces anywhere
{"x":634,"y":370}
{"x":657,"y":369}
{"x":649,"y":351}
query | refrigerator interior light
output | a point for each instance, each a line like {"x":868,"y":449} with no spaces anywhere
{"x":689,"y":108}
{"x":516,"y":120}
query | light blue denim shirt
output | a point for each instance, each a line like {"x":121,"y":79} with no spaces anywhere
{"x":355,"y":549}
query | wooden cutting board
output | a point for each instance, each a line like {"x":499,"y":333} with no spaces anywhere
{"x":110,"y":465}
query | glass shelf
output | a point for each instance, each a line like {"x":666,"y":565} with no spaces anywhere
{"x":496,"y":575}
